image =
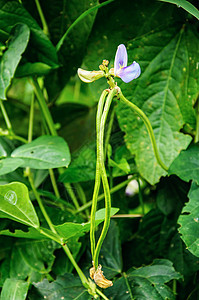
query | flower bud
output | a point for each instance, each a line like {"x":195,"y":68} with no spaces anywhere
{"x":89,"y":76}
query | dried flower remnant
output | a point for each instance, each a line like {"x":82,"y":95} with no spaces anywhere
{"x":99,"y":277}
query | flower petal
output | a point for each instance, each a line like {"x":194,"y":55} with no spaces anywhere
{"x":129,"y":73}
{"x":89,"y":76}
{"x":121,"y":58}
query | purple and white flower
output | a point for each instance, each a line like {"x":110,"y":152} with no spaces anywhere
{"x":121,"y":70}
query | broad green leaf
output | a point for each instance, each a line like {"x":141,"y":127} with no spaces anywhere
{"x":185,"y":5}
{"x":64,"y":287}
{"x":45,"y":152}
{"x":12,"y":56}
{"x":15,"y":204}
{"x":186,"y":165}
{"x":161,"y":92}
{"x":145,"y":283}
{"x":68,"y":230}
{"x":14,"y":289}
{"x":10,"y":164}
{"x":184,"y":261}
{"x":30,"y":234}
{"x":189,"y":221}
{"x":32,"y":258}
{"x":41,"y":48}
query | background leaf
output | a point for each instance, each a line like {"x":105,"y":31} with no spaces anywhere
{"x":185,"y":5}
{"x":59,"y":17}
{"x":44,"y":152}
{"x":33,"y":259}
{"x":189,"y":221}
{"x":145,"y":283}
{"x":10,"y":164}
{"x":111,"y":252}
{"x":42,"y":50}
{"x":186,"y":165}
{"x":67,"y":286}
{"x":14,"y":289}
{"x":83,"y":165}
{"x":15,"y":204}
{"x":12,"y":56}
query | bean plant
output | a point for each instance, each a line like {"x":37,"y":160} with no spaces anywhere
{"x":99,"y":149}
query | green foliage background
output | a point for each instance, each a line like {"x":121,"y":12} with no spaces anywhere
{"x":152,"y":247}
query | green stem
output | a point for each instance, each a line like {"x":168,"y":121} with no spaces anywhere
{"x":17,"y":137}
{"x":140,"y":197}
{"x":81,"y":195}
{"x":54,"y":184}
{"x":43,"y":210}
{"x":197,"y":122}
{"x":97,"y":173}
{"x":101,"y":294}
{"x":83,"y":15}
{"x":101,"y":197}
{"x":72,"y":195}
{"x":100,"y":147}
{"x":174,"y":286}
{"x":44,"y":107}
{"x":148,"y":126}
{"x":79,"y":271}
{"x":6,"y":118}
{"x":31,"y":118}
{"x":43,"y":20}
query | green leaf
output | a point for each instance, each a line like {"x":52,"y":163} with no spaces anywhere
{"x":30,"y":234}
{"x":45,"y":152}
{"x":189,"y":221}
{"x":16,"y":205}
{"x":146,"y":283}
{"x":8,"y":165}
{"x":186,"y":165}
{"x":183,"y":260}
{"x":185,"y":5}
{"x":14,"y":289}
{"x":82,"y":167}
{"x":29,"y":69}
{"x":171,"y":195}
{"x":64,"y":287}
{"x":32,"y":258}
{"x":6,"y":147}
{"x":12,"y":56}
{"x":161,"y":92}
{"x":41,"y":48}
{"x":68,"y":230}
